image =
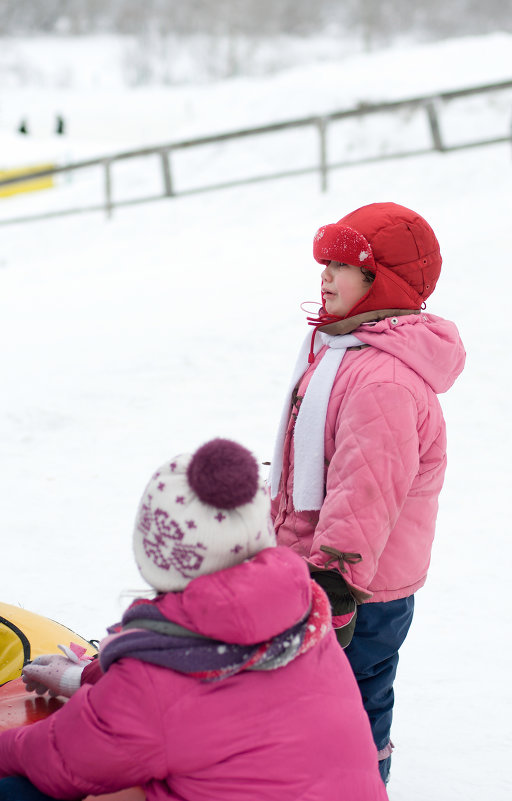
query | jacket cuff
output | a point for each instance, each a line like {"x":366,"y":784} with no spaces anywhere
{"x":91,"y":673}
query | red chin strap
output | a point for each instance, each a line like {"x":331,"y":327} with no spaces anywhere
{"x":322,"y":319}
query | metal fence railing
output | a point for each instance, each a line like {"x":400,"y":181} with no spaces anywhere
{"x":431,"y":105}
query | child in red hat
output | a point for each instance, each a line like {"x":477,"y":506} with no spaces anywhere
{"x":360,"y":454}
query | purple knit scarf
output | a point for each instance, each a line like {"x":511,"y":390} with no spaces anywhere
{"x":145,"y":634}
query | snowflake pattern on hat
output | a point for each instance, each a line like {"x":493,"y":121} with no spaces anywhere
{"x":185,"y":558}
{"x":160,"y":538}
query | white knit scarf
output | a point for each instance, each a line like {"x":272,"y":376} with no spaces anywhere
{"x":309,"y":462}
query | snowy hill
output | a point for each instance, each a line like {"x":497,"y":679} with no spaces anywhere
{"x":128,"y":341}
{"x":101,"y":112}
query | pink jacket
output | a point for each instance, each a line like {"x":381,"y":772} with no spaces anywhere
{"x":385,"y":449}
{"x":296,"y":732}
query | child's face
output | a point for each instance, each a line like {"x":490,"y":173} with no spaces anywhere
{"x":342,"y":286}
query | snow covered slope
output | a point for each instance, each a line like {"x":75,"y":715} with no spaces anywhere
{"x":128,"y":341}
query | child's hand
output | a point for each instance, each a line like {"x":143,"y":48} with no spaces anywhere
{"x":57,"y":675}
{"x":343,"y":604}
{"x":336,"y":589}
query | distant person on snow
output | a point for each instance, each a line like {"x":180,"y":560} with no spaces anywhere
{"x":360,"y":454}
{"x":60,"y":125}
{"x":229,"y":685}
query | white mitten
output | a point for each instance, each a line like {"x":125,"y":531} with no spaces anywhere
{"x":57,"y":675}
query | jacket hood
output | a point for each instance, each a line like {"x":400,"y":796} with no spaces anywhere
{"x":429,"y":345}
{"x":245,"y":604}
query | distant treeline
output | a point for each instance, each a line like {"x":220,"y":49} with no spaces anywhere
{"x":373,"y":22}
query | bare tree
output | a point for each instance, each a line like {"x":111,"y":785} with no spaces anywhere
{"x":371,"y":22}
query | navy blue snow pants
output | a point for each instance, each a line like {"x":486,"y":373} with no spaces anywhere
{"x":380,"y":630}
{"x":17,"y":788}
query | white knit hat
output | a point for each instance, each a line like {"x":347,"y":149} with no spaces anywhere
{"x":200,"y":514}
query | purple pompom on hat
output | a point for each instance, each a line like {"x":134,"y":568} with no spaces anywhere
{"x":224,"y":474}
{"x":201,"y":513}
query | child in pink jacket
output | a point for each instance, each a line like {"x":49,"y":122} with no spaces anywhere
{"x":211,"y":690}
{"x":360,"y":454}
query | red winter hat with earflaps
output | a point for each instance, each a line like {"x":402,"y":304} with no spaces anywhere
{"x":393,"y":242}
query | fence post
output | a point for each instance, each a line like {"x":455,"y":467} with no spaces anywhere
{"x":165,"y":156}
{"x":433,"y":121}
{"x":107,"y":164}
{"x":322,"y":130}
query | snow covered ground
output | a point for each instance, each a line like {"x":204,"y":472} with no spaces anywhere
{"x":126,"y":342}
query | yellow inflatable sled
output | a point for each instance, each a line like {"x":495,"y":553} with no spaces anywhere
{"x":25,"y":635}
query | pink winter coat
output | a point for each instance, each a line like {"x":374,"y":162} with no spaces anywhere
{"x":296,"y":733}
{"x":385,"y":450}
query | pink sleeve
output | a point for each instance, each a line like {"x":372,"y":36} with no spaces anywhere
{"x":76,"y":751}
{"x":91,"y":672}
{"x":375,"y":461}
